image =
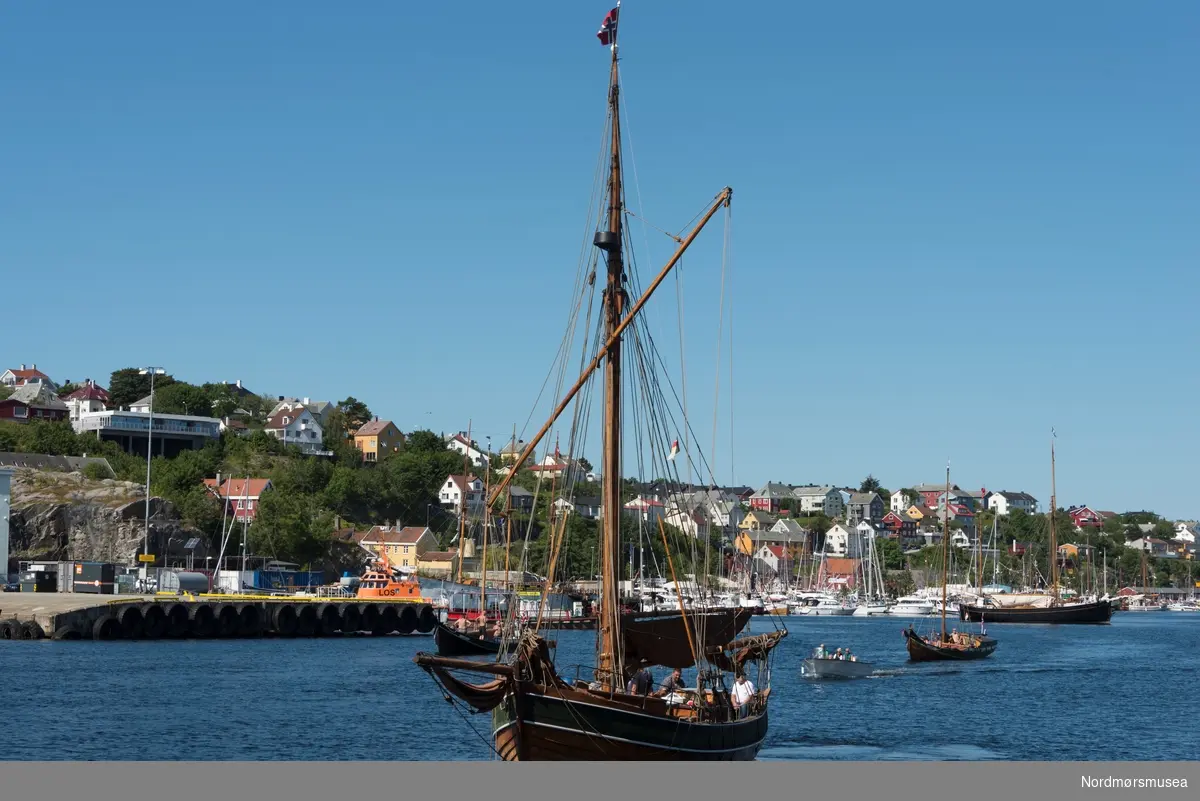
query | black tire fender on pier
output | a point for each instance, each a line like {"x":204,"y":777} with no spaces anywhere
{"x":228,"y":622}
{"x":370,"y":617}
{"x":426,"y":619}
{"x":249,"y":621}
{"x":331,"y":619}
{"x":407,"y":622}
{"x":307,"y":624}
{"x":179,"y":621}
{"x":10,"y":629}
{"x":351,"y":619}
{"x":106,"y":628}
{"x":67,"y":633}
{"x":284,"y":620}
{"x":154,"y":621}
{"x":204,"y":622}
{"x":132,"y":623}
{"x":389,"y":621}
{"x":30,"y":630}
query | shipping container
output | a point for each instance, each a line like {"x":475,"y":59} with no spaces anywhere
{"x":95,"y":587}
{"x":183,"y":581}
{"x":66,"y":576}
{"x":104,"y":572}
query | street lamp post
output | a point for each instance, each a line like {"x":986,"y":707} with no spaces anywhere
{"x":152,"y":372}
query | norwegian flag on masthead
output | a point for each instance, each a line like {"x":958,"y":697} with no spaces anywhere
{"x":608,"y":31}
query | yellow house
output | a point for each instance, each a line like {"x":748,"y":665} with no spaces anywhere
{"x":915,"y":513}
{"x":756,"y":520}
{"x":439,"y":564}
{"x":403,"y":546}
{"x":378,"y":439}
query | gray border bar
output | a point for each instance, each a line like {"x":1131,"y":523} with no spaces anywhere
{"x":445,"y":781}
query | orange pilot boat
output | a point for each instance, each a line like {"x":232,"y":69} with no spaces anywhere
{"x":378,"y":582}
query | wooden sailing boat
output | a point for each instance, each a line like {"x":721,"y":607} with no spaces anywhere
{"x":1052,"y":609}
{"x":947,"y":647}
{"x":539,"y":715}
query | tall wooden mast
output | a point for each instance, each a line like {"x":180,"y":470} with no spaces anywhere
{"x":945,"y":548}
{"x":1053,"y":539}
{"x":608,"y":642}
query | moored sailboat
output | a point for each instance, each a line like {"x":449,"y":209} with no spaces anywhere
{"x":1048,"y":608}
{"x":952,"y":646}
{"x":537,"y":714}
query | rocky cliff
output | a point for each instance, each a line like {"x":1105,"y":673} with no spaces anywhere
{"x":65,"y":516}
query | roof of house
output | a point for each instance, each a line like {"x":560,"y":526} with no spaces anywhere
{"x":803,"y":492}
{"x":285,"y":417}
{"x":773,"y":490}
{"x":839,"y":566}
{"x":786,"y":525}
{"x":1015,"y":496}
{"x":378,"y":535}
{"x":89,"y":391}
{"x":458,"y":480}
{"x":438,"y":556}
{"x":38,"y":396}
{"x":41,"y":461}
{"x":638,"y":503}
{"x":779,"y":551}
{"x":864,"y":497}
{"x":234,"y":488}
{"x":589,"y":501}
{"x":759,"y":515}
{"x":373,"y":428}
{"x":514,"y":447}
{"x":520,"y":492}
{"x":22,"y":375}
{"x":934,"y":487}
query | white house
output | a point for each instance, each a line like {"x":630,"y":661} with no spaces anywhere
{"x":694,"y":523}
{"x":1003,"y":502}
{"x":88,"y":398}
{"x":647,"y":510}
{"x":461,"y":444}
{"x":455,"y":488}
{"x":1185,"y":532}
{"x":819,"y":500}
{"x":842,"y":541}
{"x":721,"y":509}
{"x":900,"y":502}
{"x":297,"y":426}
{"x":20,"y":376}
{"x":320,"y":410}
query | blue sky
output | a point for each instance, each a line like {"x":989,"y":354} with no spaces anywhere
{"x":953,"y":228}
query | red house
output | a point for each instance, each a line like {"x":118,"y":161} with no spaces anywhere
{"x":241,"y":496}
{"x":33,"y":401}
{"x":837,"y":574}
{"x":900,"y":524}
{"x":931,"y":494}
{"x":1086,"y":517}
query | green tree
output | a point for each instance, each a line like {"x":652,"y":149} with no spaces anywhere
{"x":869,"y":484}
{"x":127,"y":386}
{"x":222,"y":401}
{"x":5,"y":392}
{"x":67,"y":388}
{"x":892,"y":553}
{"x":290,"y":525}
{"x":426,"y":441}
{"x":182,"y":398}
{"x":355,"y":412}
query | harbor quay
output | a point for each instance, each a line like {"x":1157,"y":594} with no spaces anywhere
{"x":35,"y":616}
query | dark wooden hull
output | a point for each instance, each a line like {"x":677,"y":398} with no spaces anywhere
{"x":539,"y":724}
{"x":921,"y":651}
{"x":1095,"y":612}
{"x":456,"y":643}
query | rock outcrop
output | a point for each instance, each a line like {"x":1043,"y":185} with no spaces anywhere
{"x":65,"y":516}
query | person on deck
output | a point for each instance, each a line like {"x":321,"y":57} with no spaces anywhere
{"x":461,"y":624}
{"x":641,"y":683}
{"x":743,"y":692}
{"x":671,"y":683}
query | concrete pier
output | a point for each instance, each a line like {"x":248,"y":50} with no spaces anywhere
{"x":75,"y":616}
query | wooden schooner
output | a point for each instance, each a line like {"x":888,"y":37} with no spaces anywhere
{"x":1049,"y":608}
{"x":947,"y":647}
{"x":536,"y":713}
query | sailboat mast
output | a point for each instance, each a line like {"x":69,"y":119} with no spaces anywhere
{"x":979,"y":544}
{"x":1053,"y":540}
{"x":945,"y":547}
{"x":462,"y":506}
{"x":609,"y":640}
{"x":487,"y":482}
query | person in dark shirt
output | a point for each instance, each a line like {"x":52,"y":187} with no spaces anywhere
{"x":671,"y":683}
{"x":641,"y":683}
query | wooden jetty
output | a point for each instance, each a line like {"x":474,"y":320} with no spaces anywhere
{"x":78,"y":616}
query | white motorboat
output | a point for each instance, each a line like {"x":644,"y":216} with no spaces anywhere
{"x":913,"y":606}
{"x":823,"y":665}
{"x":830,"y":605}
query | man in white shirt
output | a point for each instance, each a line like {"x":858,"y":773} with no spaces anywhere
{"x":743,"y":691}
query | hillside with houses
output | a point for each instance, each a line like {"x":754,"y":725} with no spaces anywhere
{"x":322,"y":481}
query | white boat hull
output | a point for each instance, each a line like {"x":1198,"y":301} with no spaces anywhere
{"x":835,"y":669}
